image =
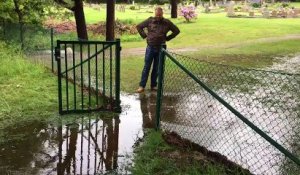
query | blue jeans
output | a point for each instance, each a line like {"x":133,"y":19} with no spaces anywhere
{"x":151,"y":56}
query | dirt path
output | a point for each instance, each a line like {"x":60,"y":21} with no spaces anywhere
{"x":141,"y":50}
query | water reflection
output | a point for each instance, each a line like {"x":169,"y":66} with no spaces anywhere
{"x":89,"y":147}
{"x":93,"y":144}
{"x":148,"y":106}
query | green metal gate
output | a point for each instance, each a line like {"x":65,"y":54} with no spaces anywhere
{"x":88,"y":76}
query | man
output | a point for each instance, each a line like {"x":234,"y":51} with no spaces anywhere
{"x":156,"y":34}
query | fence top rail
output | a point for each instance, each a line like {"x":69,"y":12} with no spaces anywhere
{"x":224,"y":65}
{"x":87,"y":42}
{"x":89,"y":58}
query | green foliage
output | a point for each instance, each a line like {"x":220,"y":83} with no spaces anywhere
{"x":28,"y":11}
{"x":256,"y":5}
{"x":6,"y":10}
{"x":160,"y":2}
{"x":132,"y":7}
{"x":285,"y":5}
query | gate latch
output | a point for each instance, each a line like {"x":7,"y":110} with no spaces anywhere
{"x":57,"y":53}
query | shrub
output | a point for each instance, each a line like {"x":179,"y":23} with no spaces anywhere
{"x":188,"y":12}
{"x":159,"y":2}
{"x":256,"y":5}
{"x":132,"y":7}
{"x":285,"y":5}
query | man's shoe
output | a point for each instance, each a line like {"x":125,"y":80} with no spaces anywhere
{"x":140,"y":90}
{"x":154,"y":88}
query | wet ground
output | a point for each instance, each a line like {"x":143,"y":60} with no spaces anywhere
{"x":93,"y":145}
{"x":213,"y":126}
{"x":98,"y":145}
{"x":289,"y":64}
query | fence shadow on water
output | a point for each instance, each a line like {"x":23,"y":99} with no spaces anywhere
{"x":268,"y":100}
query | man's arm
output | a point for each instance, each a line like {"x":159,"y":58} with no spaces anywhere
{"x":175,"y":31}
{"x":140,"y":28}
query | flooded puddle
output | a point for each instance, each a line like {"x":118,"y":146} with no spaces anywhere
{"x":99,"y":145}
{"x":213,"y":126}
{"x":287,"y":64}
{"x":94,"y":145}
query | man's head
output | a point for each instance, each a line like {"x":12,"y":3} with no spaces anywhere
{"x":159,"y":12}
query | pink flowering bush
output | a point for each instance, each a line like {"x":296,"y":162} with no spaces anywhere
{"x":188,"y":12}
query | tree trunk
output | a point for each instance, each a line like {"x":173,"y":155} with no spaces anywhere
{"x":80,"y":20}
{"x":21,"y":22}
{"x":110,"y":20}
{"x":173,"y":8}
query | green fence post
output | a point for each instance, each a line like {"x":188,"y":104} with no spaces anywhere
{"x":52,"y":59}
{"x":161,"y":67}
{"x":118,"y":70}
{"x":57,"y":58}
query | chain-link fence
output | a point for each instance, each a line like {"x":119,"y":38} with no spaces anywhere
{"x":268,"y":101}
{"x":35,"y":40}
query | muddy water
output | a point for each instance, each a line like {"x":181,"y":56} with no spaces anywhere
{"x":216,"y":128}
{"x":93,"y":145}
{"x":289,"y":64}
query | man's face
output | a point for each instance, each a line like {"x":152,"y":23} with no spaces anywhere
{"x":159,"y":13}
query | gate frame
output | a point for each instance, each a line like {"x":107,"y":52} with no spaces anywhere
{"x":116,"y":102}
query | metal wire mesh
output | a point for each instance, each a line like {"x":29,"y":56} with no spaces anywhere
{"x":269,"y":100}
{"x":91,"y":75}
{"x":34,"y":39}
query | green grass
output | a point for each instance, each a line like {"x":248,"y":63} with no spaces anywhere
{"x":258,"y":55}
{"x":131,"y":69}
{"x":95,"y":15}
{"x":295,"y":4}
{"x":209,"y":29}
{"x":155,"y":156}
{"x":28,"y":92}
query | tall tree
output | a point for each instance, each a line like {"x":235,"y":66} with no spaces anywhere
{"x":77,"y":7}
{"x":20,"y":19}
{"x":80,"y":20}
{"x":110,"y":20}
{"x":174,"y":8}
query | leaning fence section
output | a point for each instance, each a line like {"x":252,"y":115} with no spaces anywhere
{"x":268,"y":100}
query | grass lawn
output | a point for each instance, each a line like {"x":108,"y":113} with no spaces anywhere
{"x":28,"y":96}
{"x":209,"y":29}
{"x":21,"y":85}
{"x":155,"y":156}
{"x":28,"y":92}
{"x":251,"y":43}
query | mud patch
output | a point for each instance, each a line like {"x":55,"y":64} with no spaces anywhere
{"x":98,"y":28}
{"x":199,"y":153}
